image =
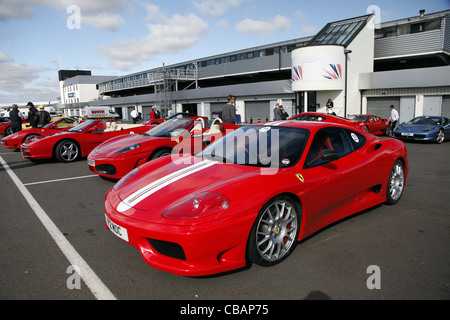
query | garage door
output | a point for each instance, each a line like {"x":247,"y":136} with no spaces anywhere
{"x":432,"y":105}
{"x":446,"y":106}
{"x":380,"y":106}
{"x":258,"y":110}
{"x":216,"y":109}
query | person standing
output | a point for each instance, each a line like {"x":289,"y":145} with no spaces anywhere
{"x":16,"y":118}
{"x":330,"y":106}
{"x":32,"y":115}
{"x":277,"y":114}
{"x":394,"y":118}
{"x":284,"y":114}
{"x":229,"y":110}
{"x":135,"y":115}
{"x":43,"y":117}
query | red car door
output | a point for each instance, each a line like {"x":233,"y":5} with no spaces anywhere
{"x":332,"y":187}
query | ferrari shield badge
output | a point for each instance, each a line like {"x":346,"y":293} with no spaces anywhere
{"x":300,"y":177}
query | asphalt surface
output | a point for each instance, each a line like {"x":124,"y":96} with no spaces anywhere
{"x":401,"y":251}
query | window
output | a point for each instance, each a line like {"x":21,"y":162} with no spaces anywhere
{"x":343,"y":141}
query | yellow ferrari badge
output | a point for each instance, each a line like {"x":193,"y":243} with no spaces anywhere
{"x":300,"y":177}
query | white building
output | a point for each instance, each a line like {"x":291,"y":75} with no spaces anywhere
{"x":362,"y":67}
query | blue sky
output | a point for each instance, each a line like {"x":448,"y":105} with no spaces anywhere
{"x":116,"y":37}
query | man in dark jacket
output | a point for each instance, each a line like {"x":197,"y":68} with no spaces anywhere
{"x":229,"y":111}
{"x":16,"y":119}
{"x":43,"y":117}
{"x":32,"y":115}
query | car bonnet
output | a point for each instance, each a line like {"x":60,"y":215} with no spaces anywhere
{"x":165,"y":186}
{"x":118,"y":143}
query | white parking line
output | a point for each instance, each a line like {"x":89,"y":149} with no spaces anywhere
{"x":97,"y":287}
{"x":58,"y":180}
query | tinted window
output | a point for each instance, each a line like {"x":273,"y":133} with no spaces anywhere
{"x":343,"y":141}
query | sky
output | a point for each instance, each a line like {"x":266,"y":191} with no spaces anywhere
{"x":116,"y":37}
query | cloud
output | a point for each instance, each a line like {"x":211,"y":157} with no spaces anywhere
{"x":168,"y":35}
{"x":279,"y":23}
{"x":20,"y":82}
{"x":100,"y":14}
{"x":217,"y":7}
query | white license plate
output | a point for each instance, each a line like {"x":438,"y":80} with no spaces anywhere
{"x":119,"y":231}
{"x":407,"y":134}
{"x":91,"y":162}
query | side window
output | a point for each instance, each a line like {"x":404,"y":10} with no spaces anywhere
{"x":341,"y":140}
{"x":357,"y":139}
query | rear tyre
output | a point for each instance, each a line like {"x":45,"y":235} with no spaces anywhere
{"x":67,"y":151}
{"x":275,"y":232}
{"x":396,"y":183}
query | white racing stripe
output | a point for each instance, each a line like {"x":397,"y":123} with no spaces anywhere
{"x":97,"y":287}
{"x":153,"y":187}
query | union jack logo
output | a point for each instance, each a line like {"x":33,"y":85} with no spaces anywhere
{"x":334,"y":72}
{"x":297,"y":73}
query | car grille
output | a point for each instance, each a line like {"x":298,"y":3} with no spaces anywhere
{"x":170,"y":249}
{"x":107,"y":169}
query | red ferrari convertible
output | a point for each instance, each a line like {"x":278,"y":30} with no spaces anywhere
{"x":118,"y":156}
{"x":252,"y":195}
{"x":374,"y":124}
{"x":78,"y":141}
{"x":57,"y":125}
{"x":321,"y":117}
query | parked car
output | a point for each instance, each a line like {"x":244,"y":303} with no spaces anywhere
{"x":374,"y":124}
{"x":5,"y":126}
{"x":425,"y":128}
{"x":321,"y":117}
{"x":56,"y":125}
{"x":253,"y":194}
{"x":178,"y":115}
{"x":118,"y":156}
{"x":78,"y":141}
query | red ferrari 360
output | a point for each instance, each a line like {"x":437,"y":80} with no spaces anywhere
{"x":253,"y":194}
{"x":78,"y":141}
{"x":118,"y":156}
{"x":321,"y":117}
{"x":57,"y":125}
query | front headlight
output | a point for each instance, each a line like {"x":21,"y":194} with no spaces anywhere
{"x":130,"y":148}
{"x":198,"y":206}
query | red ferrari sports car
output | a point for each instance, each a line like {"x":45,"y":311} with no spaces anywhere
{"x":78,"y":141}
{"x":118,"y":156}
{"x":253,"y":194}
{"x":178,"y":115}
{"x":374,"y":124}
{"x":321,"y":117}
{"x":57,"y":125}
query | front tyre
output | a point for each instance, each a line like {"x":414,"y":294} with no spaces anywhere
{"x":67,"y":151}
{"x":396,"y":183}
{"x":441,"y":136}
{"x":275,"y":232}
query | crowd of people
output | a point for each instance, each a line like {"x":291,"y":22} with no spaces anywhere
{"x":36,"y":118}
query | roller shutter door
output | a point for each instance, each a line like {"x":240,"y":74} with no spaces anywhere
{"x":258,"y":110}
{"x":446,"y":106}
{"x":380,"y":106}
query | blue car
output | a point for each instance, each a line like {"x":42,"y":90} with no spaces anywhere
{"x":426,"y":128}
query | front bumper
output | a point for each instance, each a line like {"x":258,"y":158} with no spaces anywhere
{"x":114,"y":168}
{"x":188,"y":250}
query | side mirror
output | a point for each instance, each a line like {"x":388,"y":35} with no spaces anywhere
{"x":327,"y":155}
{"x":330,"y":155}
